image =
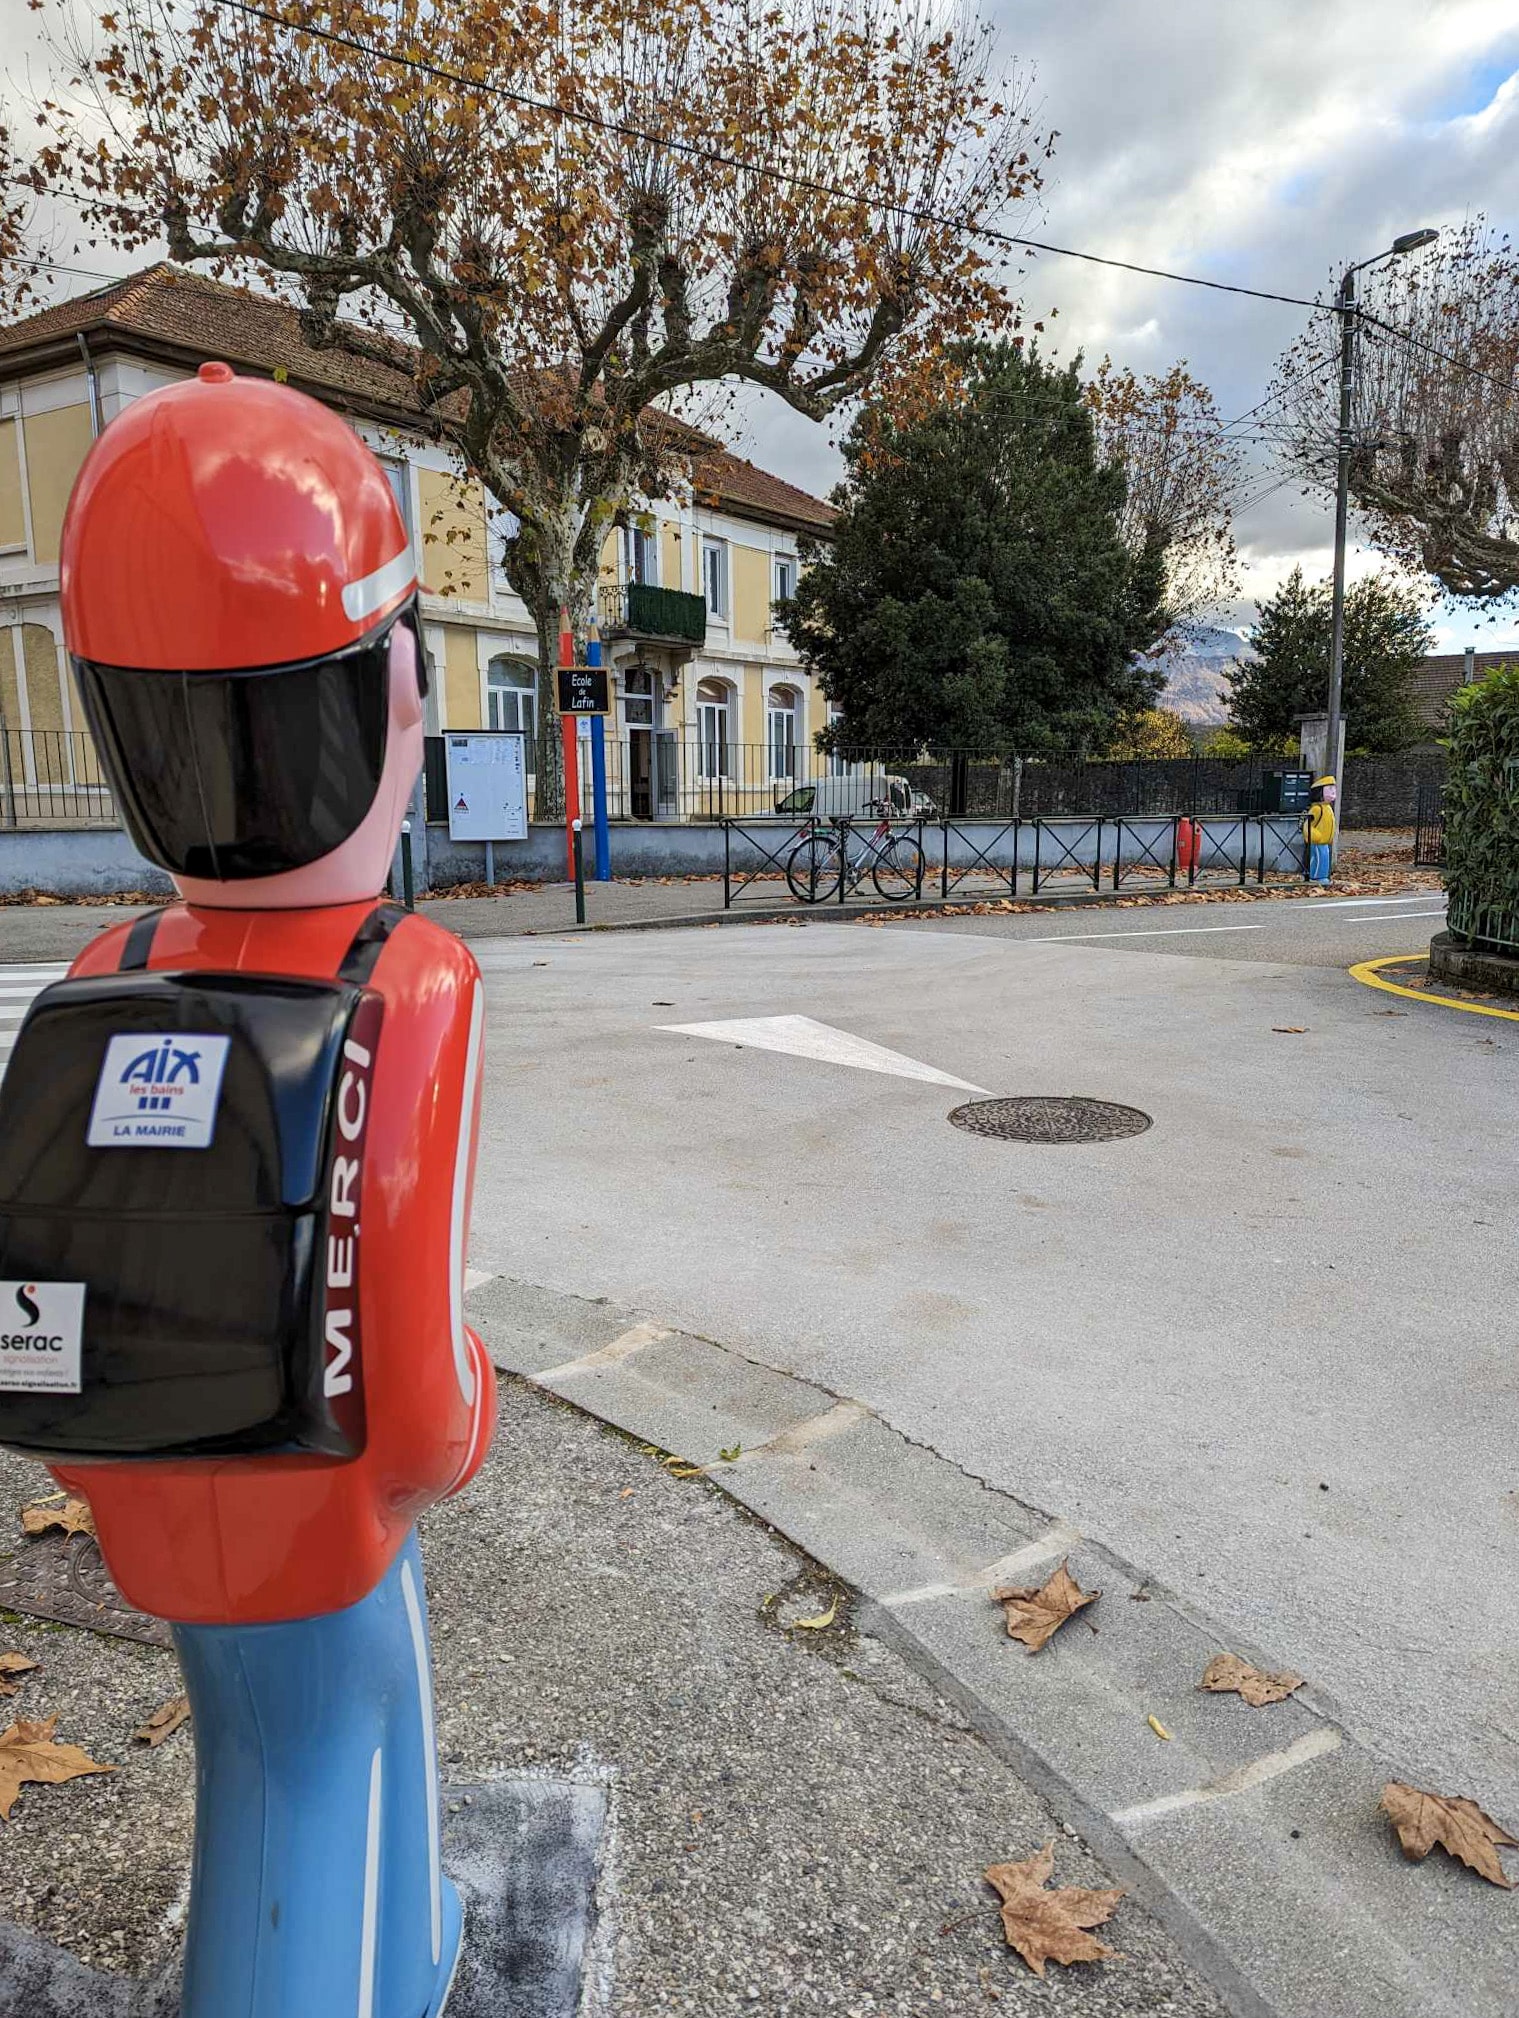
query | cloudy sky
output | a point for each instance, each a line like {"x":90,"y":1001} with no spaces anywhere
{"x":1257,"y":141}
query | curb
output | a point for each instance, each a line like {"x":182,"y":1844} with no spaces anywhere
{"x":1369,"y":974}
{"x":1252,"y":1835}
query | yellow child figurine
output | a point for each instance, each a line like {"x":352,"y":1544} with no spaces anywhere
{"x":1319,"y":827}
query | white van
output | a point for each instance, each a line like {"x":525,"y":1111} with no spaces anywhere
{"x":859,"y":793}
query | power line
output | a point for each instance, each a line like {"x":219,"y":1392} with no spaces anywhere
{"x":57,"y":266}
{"x":719,"y":158}
{"x":1504,"y":385}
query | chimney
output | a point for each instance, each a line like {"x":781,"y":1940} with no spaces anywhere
{"x":1469,"y":665}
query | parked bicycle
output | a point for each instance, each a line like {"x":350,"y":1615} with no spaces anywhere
{"x":825,"y":858}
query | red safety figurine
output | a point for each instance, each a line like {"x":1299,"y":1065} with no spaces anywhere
{"x":236,"y":1156}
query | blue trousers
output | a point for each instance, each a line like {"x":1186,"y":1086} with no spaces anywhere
{"x":317,"y":1889}
{"x":1319,"y":858}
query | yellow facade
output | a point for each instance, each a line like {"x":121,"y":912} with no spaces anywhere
{"x":12,"y":509}
{"x":669,"y":555}
{"x":750,"y":568}
{"x":461,"y":679}
{"x":44,"y":697}
{"x":455,"y":560}
{"x":56,"y":444}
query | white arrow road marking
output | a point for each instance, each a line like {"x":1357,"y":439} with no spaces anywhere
{"x":804,"y":1038}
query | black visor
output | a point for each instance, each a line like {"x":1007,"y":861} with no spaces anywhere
{"x":228,"y":775}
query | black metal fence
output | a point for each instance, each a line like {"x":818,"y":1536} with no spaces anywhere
{"x":52,"y":778}
{"x":769,"y":861}
{"x":1429,"y":830}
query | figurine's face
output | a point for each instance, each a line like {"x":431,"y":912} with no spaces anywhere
{"x":357,"y":868}
{"x":1329,"y":794}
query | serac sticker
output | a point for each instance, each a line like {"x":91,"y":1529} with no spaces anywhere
{"x":158,"y":1092}
{"x":41,"y":1335}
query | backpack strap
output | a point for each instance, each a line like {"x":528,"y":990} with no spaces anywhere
{"x":138,"y":943}
{"x":358,"y":963}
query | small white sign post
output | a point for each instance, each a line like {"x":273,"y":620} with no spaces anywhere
{"x":487,"y":788}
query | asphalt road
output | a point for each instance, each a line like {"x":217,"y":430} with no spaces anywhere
{"x":1305,"y":931}
{"x":1264,"y":1351}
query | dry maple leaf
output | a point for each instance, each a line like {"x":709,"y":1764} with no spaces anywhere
{"x":1227,"y":1674}
{"x":74,"y":1517}
{"x":27,"y":1752}
{"x":12,"y":1667}
{"x":164,"y":1722}
{"x":1459,"y":1826}
{"x":1050,"y":1926}
{"x":1034,"y":1615}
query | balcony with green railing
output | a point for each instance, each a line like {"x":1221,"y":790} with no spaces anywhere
{"x":663,"y":616}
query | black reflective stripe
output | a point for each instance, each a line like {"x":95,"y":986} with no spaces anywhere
{"x":357,"y":964}
{"x":139,"y":942}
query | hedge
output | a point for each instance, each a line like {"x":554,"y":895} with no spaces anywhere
{"x":1482,"y":811}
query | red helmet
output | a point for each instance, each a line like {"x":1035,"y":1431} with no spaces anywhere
{"x":233,"y":562}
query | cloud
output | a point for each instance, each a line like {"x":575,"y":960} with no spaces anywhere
{"x":1264,"y":145}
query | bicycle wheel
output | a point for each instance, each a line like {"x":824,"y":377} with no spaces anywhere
{"x":812,"y":869}
{"x":899,"y":869}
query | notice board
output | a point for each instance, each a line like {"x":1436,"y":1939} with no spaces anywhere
{"x":487,"y":785}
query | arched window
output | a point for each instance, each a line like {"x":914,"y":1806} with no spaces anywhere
{"x":783,"y":709}
{"x":714,"y":715}
{"x":511,"y":700}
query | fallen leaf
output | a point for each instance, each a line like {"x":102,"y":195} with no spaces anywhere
{"x":28,"y":1753}
{"x":1227,"y":1674}
{"x":732,"y":1455}
{"x":13,"y":1666}
{"x":1049,"y":1926}
{"x":823,"y":1619}
{"x":74,"y":1517}
{"x":164,"y":1722}
{"x":1158,"y":1728}
{"x":1033,"y":1616}
{"x":1459,"y":1826}
{"x":1289,"y":1030}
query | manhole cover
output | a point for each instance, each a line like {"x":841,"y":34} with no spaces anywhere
{"x":65,"y":1578}
{"x":1040,"y":1117}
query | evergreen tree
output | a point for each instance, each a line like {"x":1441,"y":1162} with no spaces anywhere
{"x":976,"y":591}
{"x":1386,"y":637}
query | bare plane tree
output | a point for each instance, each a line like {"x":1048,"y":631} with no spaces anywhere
{"x":1435,"y":434}
{"x":571,"y":213}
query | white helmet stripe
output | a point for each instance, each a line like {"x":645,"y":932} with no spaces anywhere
{"x":371,"y":592}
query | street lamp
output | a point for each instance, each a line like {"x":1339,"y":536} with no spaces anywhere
{"x":1349,"y":314}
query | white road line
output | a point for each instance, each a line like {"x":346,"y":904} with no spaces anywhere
{"x":1348,"y":903}
{"x":803,"y":1037}
{"x":1146,"y":932}
{"x":1269,"y":1767}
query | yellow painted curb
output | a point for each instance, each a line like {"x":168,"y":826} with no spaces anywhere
{"x":1368,"y":973}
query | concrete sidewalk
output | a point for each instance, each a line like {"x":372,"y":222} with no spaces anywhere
{"x":799,"y":1823}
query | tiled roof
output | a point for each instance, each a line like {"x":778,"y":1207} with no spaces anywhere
{"x":1439,"y":676}
{"x":730,"y":480}
{"x":165,"y":308}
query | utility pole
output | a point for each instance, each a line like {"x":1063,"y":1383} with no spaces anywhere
{"x":1346,"y":309}
{"x":1350,"y":320}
